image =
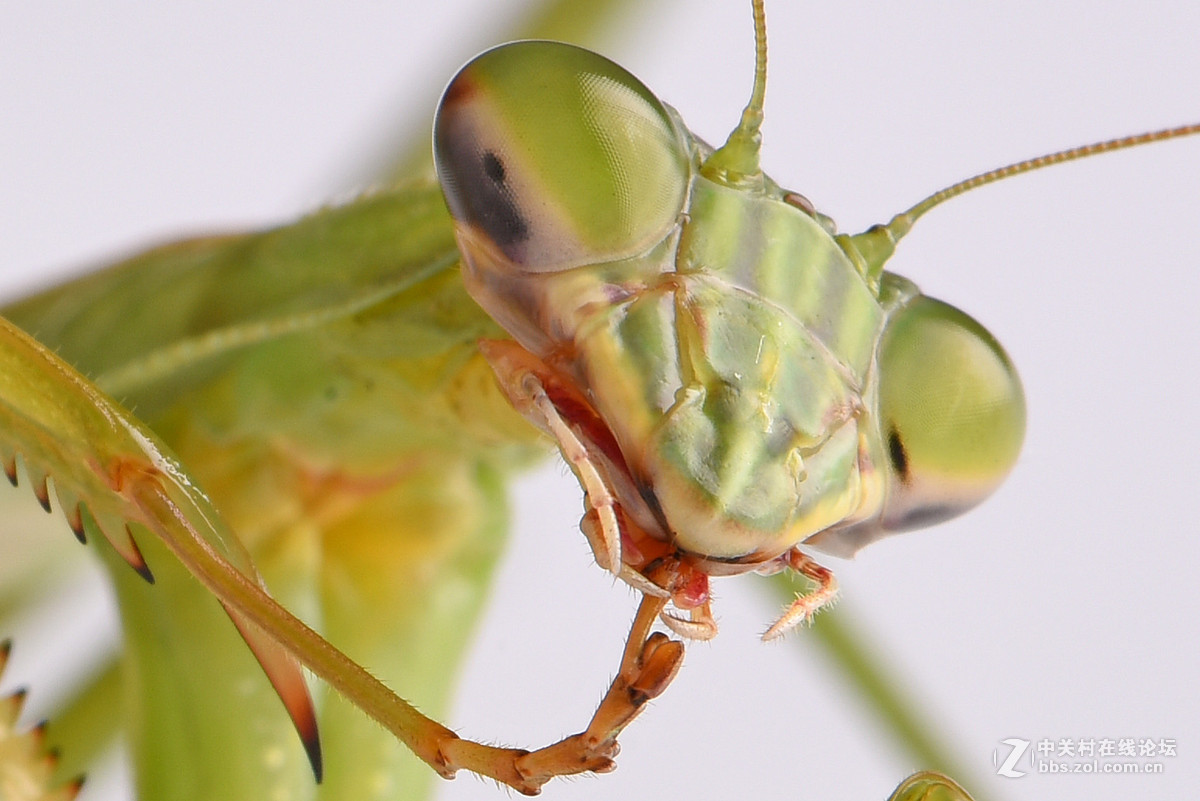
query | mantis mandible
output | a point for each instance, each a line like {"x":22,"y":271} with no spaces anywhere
{"x":969,"y":273}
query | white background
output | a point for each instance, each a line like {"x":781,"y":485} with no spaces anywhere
{"x":1064,"y":607}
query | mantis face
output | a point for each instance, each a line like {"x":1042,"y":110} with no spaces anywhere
{"x":741,"y":385}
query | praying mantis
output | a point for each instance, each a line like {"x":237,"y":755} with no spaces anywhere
{"x":1007,"y":292}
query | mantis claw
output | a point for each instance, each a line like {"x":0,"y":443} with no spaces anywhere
{"x":700,"y":625}
{"x":29,"y":765}
{"x":75,"y":521}
{"x":805,"y":606}
{"x":641,"y":583}
{"x":41,"y":491}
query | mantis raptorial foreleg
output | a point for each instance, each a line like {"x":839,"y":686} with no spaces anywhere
{"x":129,"y":477}
{"x":28,"y":766}
{"x":529,"y":383}
{"x":521,"y":376}
{"x":649,"y":663}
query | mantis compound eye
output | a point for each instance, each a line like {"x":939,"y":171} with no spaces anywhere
{"x":556,"y":157}
{"x":951,"y":410}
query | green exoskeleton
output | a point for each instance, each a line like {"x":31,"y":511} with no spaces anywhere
{"x":728,"y":379}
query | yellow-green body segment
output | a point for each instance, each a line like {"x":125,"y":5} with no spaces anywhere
{"x":727,"y":338}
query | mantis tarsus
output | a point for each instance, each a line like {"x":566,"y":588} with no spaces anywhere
{"x":1067,"y":280}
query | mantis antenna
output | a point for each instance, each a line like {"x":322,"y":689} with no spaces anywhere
{"x":902,"y":222}
{"x":876,"y":244}
{"x":735,"y":164}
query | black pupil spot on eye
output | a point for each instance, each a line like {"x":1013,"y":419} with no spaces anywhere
{"x":492,"y":167}
{"x":477,"y":187}
{"x":897,"y":454}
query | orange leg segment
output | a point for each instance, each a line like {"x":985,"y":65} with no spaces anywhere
{"x":805,"y":606}
{"x":649,"y":663}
